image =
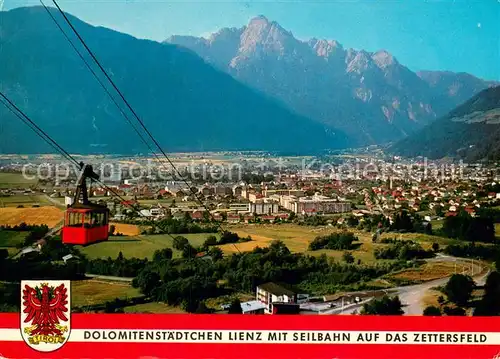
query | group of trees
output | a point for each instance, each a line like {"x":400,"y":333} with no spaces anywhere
{"x":459,"y":289}
{"x":189,"y":282}
{"x":225,"y":238}
{"x":336,"y":241}
{"x":472,"y":250}
{"x":384,"y":306}
{"x":179,"y":226}
{"x":403,"y":250}
{"x":36,"y":232}
{"x":35,"y":266}
{"x":403,"y":222}
{"x":313,"y":221}
{"x":473,"y":229}
{"x":119,"y":267}
{"x":489,"y":305}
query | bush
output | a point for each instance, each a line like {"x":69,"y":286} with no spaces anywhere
{"x":337,"y":241}
{"x":454,"y":311}
{"x":180,"y":242}
{"x":189,"y":251}
{"x":348,"y":257}
{"x":432,"y":311}
{"x":161,"y":254}
{"x":228,"y":237}
{"x":459,"y":289}
{"x":210,"y":241}
{"x":383,"y":306}
{"x":403,"y":250}
{"x":235,"y":307}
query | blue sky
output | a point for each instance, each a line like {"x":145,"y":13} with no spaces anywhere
{"x":450,"y":35}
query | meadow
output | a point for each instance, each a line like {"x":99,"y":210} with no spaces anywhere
{"x":25,"y":200}
{"x":15,"y":180}
{"x":142,"y":246}
{"x":92,"y":291}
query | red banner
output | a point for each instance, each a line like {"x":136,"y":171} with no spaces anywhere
{"x":247,"y":336}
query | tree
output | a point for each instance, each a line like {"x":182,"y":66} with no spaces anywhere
{"x":165,"y":253}
{"x":146,"y":281}
{"x":215,"y":253}
{"x":457,"y":311}
{"x":497,"y":263}
{"x":435,"y":247}
{"x":235,"y":307}
{"x":4,"y":253}
{"x":432,"y":311}
{"x":190,"y":305}
{"x":348,"y":257}
{"x":228,"y":237}
{"x":180,"y":242}
{"x":202,"y":308}
{"x":210,"y":241}
{"x":279,"y":247}
{"x":189,"y":251}
{"x":490,"y":303}
{"x":383,"y":306}
{"x":459,"y":289}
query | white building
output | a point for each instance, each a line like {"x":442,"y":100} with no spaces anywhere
{"x":264,"y":208}
{"x":271,"y":293}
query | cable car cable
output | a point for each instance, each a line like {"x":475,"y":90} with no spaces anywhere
{"x":130,"y":108}
{"x":51,"y":141}
{"x":43,"y":135}
{"x":99,"y":81}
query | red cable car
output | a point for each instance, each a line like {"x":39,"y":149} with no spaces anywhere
{"x":85,"y":222}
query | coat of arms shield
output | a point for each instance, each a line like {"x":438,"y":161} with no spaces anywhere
{"x":45,"y":313}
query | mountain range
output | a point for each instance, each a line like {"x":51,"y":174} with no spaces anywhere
{"x":250,"y":88}
{"x":470,"y":132}
{"x":186,"y":103}
{"x":370,"y":96}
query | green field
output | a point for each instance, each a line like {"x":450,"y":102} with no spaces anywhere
{"x":140,"y":246}
{"x":27,"y":200}
{"x":15,"y":180}
{"x":11,"y":238}
{"x":90,"y":292}
{"x":153,"y":307}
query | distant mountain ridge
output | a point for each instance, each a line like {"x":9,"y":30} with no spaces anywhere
{"x":186,"y":103}
{"x":369,"y":95}
{"x":471,"y":132}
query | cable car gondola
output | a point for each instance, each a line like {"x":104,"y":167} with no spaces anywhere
{"x":85,"y":222}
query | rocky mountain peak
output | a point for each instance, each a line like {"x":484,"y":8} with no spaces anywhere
{"x":361,"y":62}
{"x":384,"y":59}
{"x":267,"y":34}
{"x":324,"y":48}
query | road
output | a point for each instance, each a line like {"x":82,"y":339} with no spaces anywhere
{"x":412,"y":296}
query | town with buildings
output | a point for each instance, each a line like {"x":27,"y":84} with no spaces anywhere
{"x":361,"y":195}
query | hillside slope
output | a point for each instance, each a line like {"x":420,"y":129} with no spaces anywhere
{"x":471,"y":132}
{"x":185,"y":102}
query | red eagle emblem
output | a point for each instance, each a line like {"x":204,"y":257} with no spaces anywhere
{"x":45,"y":306}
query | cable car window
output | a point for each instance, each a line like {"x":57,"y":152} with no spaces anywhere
{"x":75,"y":219}
{"x":87,"y":222}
